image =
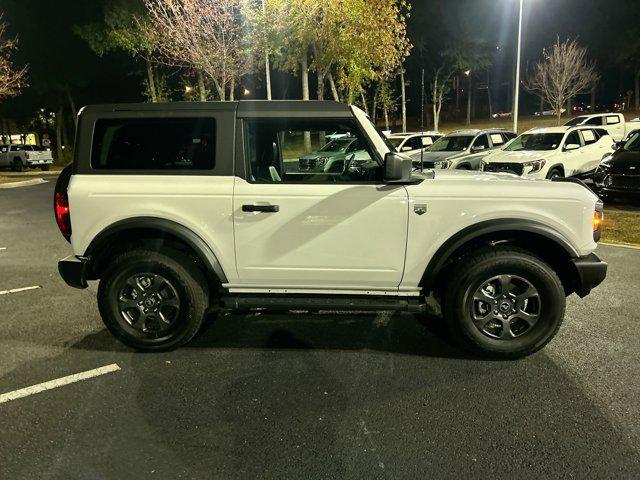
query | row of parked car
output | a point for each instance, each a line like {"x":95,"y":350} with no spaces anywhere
{"x":602,"y":147}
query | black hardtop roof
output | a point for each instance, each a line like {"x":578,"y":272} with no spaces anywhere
{"x":244,"y":108}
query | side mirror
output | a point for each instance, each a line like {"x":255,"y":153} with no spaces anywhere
{"x":397,"y":168}
{"x":405,"y":149}
{"x":478,"y":148}
{"x":617,"y":145}
{"x":571,"y":146}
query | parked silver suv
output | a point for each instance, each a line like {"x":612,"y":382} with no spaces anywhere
{"x":462,"y":149}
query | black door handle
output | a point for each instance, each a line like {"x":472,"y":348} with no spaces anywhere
{"x":261,"y":208}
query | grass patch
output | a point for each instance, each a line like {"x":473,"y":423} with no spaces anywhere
{"x":621,"y":227}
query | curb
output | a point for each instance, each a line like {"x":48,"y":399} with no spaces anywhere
{"x":620,"y":245}
{"x":26,"y":183}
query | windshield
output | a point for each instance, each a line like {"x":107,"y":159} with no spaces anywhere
{"x":456,"y":143}
{"x":633,"y":144}
{"x":575,"y":121}
{"x":536,"y":142}
{"x":338,"y":145}
{"x":396,"y":141}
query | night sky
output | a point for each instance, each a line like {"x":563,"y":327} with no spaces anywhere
{"x":58,"y":58}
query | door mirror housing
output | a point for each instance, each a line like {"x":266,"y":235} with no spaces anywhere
{"x":405,"y":149}
{"x":571,"y":146}
{"x":397,"y":168}
{"x":478,"y":148}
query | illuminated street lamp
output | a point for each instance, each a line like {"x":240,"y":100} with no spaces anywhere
{"x":188,"y":89}
{"x":247,"y":92}
{"x":516,"y":96}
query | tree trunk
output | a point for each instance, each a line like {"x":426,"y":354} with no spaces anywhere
{"x":59,"y":121}
{"x":304,"y":66}
{"x":637,"y":90}
{"x":321,"y":82}
{"x":232,"y":89}
{"x":364,"y":103}
{"x":72,"y":105}
{"x":202,"y":89}
{"x":374,"y":110}
{"x":469,"y":102}
{"x":456,"y":85}
{"x":541,"y":104}
{"x":436,"y":120}
{"x":403,"y":90}
{"x":593,"y":99}
{"x":152,"y":82}
{"x":334,"y":90}
{"x":386,"y":118}
{"x":267,"y":63}
{"x":489,"y":95}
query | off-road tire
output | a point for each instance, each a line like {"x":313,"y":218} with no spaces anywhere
{"x":181,"y":271}
{"x":472,"y":270}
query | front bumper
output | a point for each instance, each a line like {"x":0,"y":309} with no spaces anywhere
{"x":591,"y":273}
{"x":31,"y":163}
{"x":73,"y":271}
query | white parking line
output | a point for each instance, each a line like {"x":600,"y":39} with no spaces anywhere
{"x":18,"y":290}
{"x":60,"y":382}
{"x":3,"y":248}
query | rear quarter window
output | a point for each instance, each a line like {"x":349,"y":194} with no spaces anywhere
{"x":160,"y":144}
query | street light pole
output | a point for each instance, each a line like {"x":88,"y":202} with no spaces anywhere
{"x":516,"y":96}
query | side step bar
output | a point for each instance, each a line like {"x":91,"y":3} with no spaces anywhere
{"x":323,"y":302}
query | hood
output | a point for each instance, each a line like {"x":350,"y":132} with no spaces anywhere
{"x":502,"y":156}
{"x":475,"y":176}
{"x":432,"y":157}
{"x":624,"y":162}
{"x":316,"y":155}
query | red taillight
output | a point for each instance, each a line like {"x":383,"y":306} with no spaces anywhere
{"x":63,"y":215}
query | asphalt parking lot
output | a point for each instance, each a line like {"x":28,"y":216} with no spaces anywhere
{"x":328,"y":395}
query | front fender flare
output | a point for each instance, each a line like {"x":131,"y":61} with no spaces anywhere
{"x":482,"y":229}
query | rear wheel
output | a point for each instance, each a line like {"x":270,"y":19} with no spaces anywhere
{"x":503,"y":302}
{"x":153,"y":300}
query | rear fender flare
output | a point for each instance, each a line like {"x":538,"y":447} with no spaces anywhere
{"x":161,"y":225}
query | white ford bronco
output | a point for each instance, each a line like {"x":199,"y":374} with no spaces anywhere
{"x":180,"y":209}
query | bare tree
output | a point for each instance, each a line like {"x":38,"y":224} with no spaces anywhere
{"x":439,"y":90}
{"x":12,"y":79}
{"x":564,"y":72}
{"x":205,"y":35}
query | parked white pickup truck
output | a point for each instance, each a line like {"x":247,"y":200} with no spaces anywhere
{"x":20,"y":157}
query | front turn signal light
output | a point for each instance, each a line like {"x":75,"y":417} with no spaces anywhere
{"x":598,"y":220}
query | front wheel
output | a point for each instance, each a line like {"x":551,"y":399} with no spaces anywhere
{"x":152,"y":300}
{"x":503,"y":302}
{"x":554,"y":173}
